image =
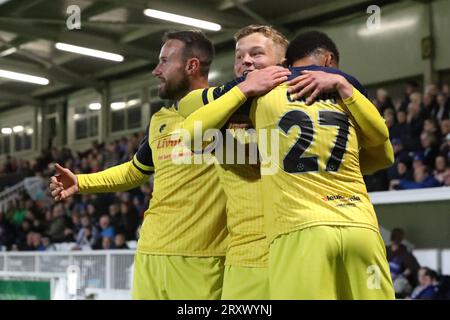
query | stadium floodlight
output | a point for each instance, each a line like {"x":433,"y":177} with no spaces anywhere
{"x":18,"y":129}
{"x":118,"y":105}
{"x":133,"y":102}
{"x":89,"y":52}
{"x":182,"y":19}
{"x":23,"y":77}
{"x":95,"y":106}
{"x":6,"y":131}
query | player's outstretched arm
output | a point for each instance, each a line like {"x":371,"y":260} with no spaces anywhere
{"x":65,"y":183}
{"x":373,"y":159}
{"x":216,"y":113}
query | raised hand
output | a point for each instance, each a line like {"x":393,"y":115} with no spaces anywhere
{"x":63,"y":184}
{"x":259,"y":82}
{"x":313,"y":83}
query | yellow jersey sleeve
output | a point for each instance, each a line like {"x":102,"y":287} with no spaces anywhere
{"x":373,"y":129}
{"x":118,"y":178}
{"x":372,"y":159}
{"x":215,"y":113}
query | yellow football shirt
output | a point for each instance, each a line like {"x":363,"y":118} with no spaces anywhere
{"x":241,"y":183}
{"x":187,"y":213}
{"x":310,"y":169}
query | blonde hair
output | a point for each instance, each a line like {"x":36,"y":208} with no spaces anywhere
{"x":268,"y":31}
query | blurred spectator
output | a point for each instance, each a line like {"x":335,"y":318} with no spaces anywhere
{"x":58,"y":225}
{"x":442,"y":170}
{"x":422,"y":179}
{"x":106,"y":230}
{"x":36,"y":240}
{"x":411,"y":87}
{"x":400,"y":170}
{"x":119,"y":242}
{"x":130,"y":220}
{"x":442,"y":110}
{"x":415,"y":124}
{"x":115,"y":216}
{"x":47,"y":244}
{"x":403,"y":265}
{"x":85,"y":238}
{"x":429,"y":148}
{"x":6,"y":232}
{"x":105,"y":243}
{"x":428,"y":285}
{"x":383,"y":101}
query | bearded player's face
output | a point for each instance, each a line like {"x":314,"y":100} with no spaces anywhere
{"x":255,"y":51}
{"x":171,"y":71}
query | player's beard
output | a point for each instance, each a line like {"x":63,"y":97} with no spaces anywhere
{"x":175,"y":89}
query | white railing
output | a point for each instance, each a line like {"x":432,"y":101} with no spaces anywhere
{"x":409,"y":196}
{"x":34,"y":186}
{"x":10,"y":194}
{"x":105,"y":269}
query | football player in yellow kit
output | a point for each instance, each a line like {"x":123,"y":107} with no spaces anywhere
{"x":325,"y":242}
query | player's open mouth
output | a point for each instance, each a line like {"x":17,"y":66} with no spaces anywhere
{"x":246,"y":72}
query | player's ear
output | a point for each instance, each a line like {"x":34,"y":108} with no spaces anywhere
{"x":192,"y":66}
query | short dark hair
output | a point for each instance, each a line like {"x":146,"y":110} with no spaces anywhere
{"x":431,"y":273}
{"x":308,"y":43}
{"x":397,"y":234}
{"x":196,"y":44}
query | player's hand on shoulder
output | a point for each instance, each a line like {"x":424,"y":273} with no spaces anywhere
{"x":63,"y":184}
{"x":312,"y":84}
{"x":261,"y":81}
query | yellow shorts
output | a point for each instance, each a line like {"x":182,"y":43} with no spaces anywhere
{"x":159,"y":277}
{"x":245,"y":283}
{"x":329,"y":262}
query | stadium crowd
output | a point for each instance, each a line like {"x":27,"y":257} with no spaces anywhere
{"x":103,"y":221}
{"x":419,"y":129}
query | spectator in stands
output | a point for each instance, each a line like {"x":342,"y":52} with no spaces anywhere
{"x":429,"y":148}
{"x":383,"y":101}
{"x":119,"y":242}
{"x":57,"y":228}
{"x":6,"y":232}
{"x":105,"y":227}
{"x":442,"y":110}
{"x":400,"y":170}
{"x":411,"y":87}
{"x":17,"y":213}
{"x":402,"y":263}
{"x":422,"y":179}
{"x":415,"y":125}
{"x":442,"y":170}
{"x":130,"y":220}
{"x":389,"y":117}
{"x":36,"y":240}
{"x":400,"y":128}
{"x":22,"y":234}
{"x":47,"y":244}
{"x":428,"y":285}
{"x":445,"y":146}
{"x":92,"y":212}
{"x":115,"y":216}
{"x":429,"y":105}
{"x":85,"y":239}
{"x":105,"y":243}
